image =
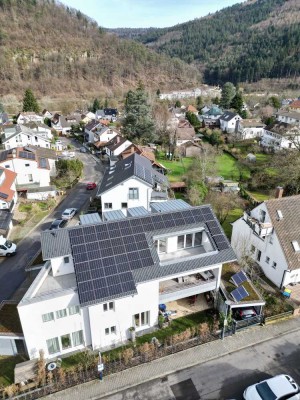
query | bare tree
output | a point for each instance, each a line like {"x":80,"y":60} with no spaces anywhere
{"x":223,"y":203}
{"x":203,"y":165}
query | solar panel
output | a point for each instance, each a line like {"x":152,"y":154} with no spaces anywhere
{"x":3,"y":195}
{"x":239,"y":278}
{"x":26,"y":154}
{"x":239,"y":294}
{"x":43,"y":163}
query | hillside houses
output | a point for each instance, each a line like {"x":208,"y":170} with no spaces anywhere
{"x":203,"y":90}
{"x":280,"y":135}
{"x":229,"y":121}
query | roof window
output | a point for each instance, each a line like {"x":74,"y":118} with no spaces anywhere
{"x":296,"y":246}
{"x":279,"y":215}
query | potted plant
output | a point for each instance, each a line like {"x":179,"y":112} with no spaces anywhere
{"x":161,"y":320}
{"x":132,"y":333}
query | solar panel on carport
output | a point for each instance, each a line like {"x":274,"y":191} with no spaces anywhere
{"x":239,"y":278}
{"x":239,"y":294}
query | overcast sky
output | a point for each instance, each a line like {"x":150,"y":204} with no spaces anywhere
{"x":146,"y":13}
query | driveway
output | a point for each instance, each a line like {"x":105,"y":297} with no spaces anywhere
{"x":12,"y":270}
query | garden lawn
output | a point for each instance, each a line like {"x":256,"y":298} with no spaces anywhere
{"x":259,"y":196}
{"x":226,"y":166}
{"x":176,"y":169}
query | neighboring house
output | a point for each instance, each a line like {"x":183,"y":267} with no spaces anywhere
{"x":190,"y":149}
{"x":192,"y":110}
{"x":280,"y":135}
{"x":147,"y":152}
{"x":295,"y":106}
{"x":116,"y":146}
{"x":90,"y":129}
{"x":100,"y":280}
{"x":132,"y":183}
{"x":34,"y":166}
{"x":40,"y":128}
{"x":104,"y":134}
{"x":26,"y":117}
{"x":203,"y":90}
{"x":178,"y":113}
{"x":185,"y":132}
{"x":99,"y":114}
{"x":20,"y":136}
{"x":249,"y":129}
{"x":3,"y":118}
{"x":270,"y":235}
{"x":88,"y":117}
{"x":211,"y":118}
{"x":229,"y":121}
{"x":63,"y":124}
{"x":8,"y":192}
{"x":110,"y":114}
{"x":288,"y":117}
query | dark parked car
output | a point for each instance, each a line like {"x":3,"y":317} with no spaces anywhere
{"x":58,"y":223}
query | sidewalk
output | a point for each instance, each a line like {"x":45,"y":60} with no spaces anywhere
{"x":175,"y":362}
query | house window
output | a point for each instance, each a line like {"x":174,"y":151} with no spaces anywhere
{"x":27,"y":165}
{"x":36,"y":139}
{"x":108,"y":306}
{"x":189,"y":240}
{"x":110,"y":330}
{"x":258,"y":255}
{"x":77,"y":338}
{"x":66,"y":260}
{"x":74,"y":310}
{"x":108,"y":206}
{"x":274,"y":265}
{"x":66,"y":341}
{"x":252,"y":249}
{"x":271,"y":239}
{"x":124,"y":205}
{"x":48,"y":317}
{"x":262,"y":216}
{"x":7,"y":166}
{"x":30,"y":178}
{"x":161,"y":245}
{"x":267,"y":260}
{"x":61,"y":313}
{"x":133,"y":193}
{"x":141,"y":319}
{"x":53,"y":345}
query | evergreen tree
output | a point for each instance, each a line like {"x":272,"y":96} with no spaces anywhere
{"x":237,"y":103}
{"x":228,"y":93}
{"x":106,"y":103}
{"x":274,"y":102}
{"x":96,"y":105}
{"x":138,"y":124}
{"x":199,"y":101}
{"x":178,"y":104}
{"x":29,"y":102}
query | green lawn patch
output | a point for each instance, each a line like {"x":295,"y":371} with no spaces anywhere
{"x":259,"y":196}
{"x":25,"y":207}
{"x":176,"y":169}
{"x":232,"y":216}
{"x":7,"y":366}
{"x":226,"y":166}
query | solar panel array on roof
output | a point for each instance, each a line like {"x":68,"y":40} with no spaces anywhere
{"x":43,"y":163}
{"x":26,"y":154}
{"x":113,"y":215}
{"x":170,"y":205}
{"x":106,"y":254}
{"x":239,"y":294}
{"x":3,"y":195}
{"x":239,"y":278}
{"x":137,"y":212}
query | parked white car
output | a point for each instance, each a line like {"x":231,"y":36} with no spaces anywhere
{"x":279,"y":387}
{"x":7,"y":248}
{"x":69,"y":213}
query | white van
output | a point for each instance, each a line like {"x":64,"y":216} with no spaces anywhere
{"x":7,"y":248}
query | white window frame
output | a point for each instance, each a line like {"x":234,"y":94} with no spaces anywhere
{"x":133,"y":193}
{"x":50,"y":342}
{"x":74,"y":310}
{"x":108,"y":206}
{"x":137,"y":319}
{"x":110,"y":306}
{"x":48,"y":317}
{"x":70,"y":341}
{"x":77,"y":338}
{"x":112,"y":330}
{"x":61,"y":313}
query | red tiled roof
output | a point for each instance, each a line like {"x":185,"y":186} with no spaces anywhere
{"x":295,"y":104}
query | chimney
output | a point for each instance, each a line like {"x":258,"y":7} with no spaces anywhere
{"x":279,"y":192}
{"x":118,"y":139}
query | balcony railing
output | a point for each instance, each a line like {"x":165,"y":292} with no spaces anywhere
{"x":172,"y":286}
{"x":262,"y":229}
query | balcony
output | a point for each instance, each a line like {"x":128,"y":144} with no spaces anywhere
{"x":157,"y":195}
{"x":178,"y":288}
{"x":261,"y":229}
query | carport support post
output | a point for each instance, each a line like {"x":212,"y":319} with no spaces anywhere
{"x":225,"y":323}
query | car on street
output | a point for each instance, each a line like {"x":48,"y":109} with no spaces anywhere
{"x":280,"y":387}
{"x":91,"y":185}
{"x":83,"y":150}
{"x":245,"y":313}
{"x":69,"y":213}
{"x":57,"y":224}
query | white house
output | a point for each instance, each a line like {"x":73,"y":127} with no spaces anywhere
{"x":132,"y":182}
{"x":8,"y":192}
{"x":34,"y":166}
{"x":203,"y":90}
{"x":281,"y":135}
{"x":102,"y":279}
{"x":20,"y":136}
{"x":228,"y":121}
{"x":90,"y":128}
{"x":249,"y":129}
{"x":63,"y":124}
{"x":26,"y":117}
{"x":210,"y":116}
{"x":289,"y":117}
{"x":116,"y":146}
{"x":270,"y":235}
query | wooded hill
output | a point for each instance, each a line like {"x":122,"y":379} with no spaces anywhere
{"x":58,"y":51}
{"x":243,"y":43}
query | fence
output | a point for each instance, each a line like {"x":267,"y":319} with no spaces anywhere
{"x":276,"y":317}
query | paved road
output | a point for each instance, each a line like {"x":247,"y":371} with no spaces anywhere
{"x":226,"y":377}
{"x":12,"y":272}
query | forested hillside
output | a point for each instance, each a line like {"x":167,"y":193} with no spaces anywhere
{"x":58,"y":51}
{"x":246,"y":42}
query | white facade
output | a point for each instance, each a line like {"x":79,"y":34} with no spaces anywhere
{"x":182,"y":94}
{"x":24,"y":118}
{"x":25,"y":138}
{"x":229,"y":125}
{"x":277,"y":141}
{"x":117,"y":151}
{"x":258,"y":240}
{"x":120,"y":197}
{"x":288,"y":117}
